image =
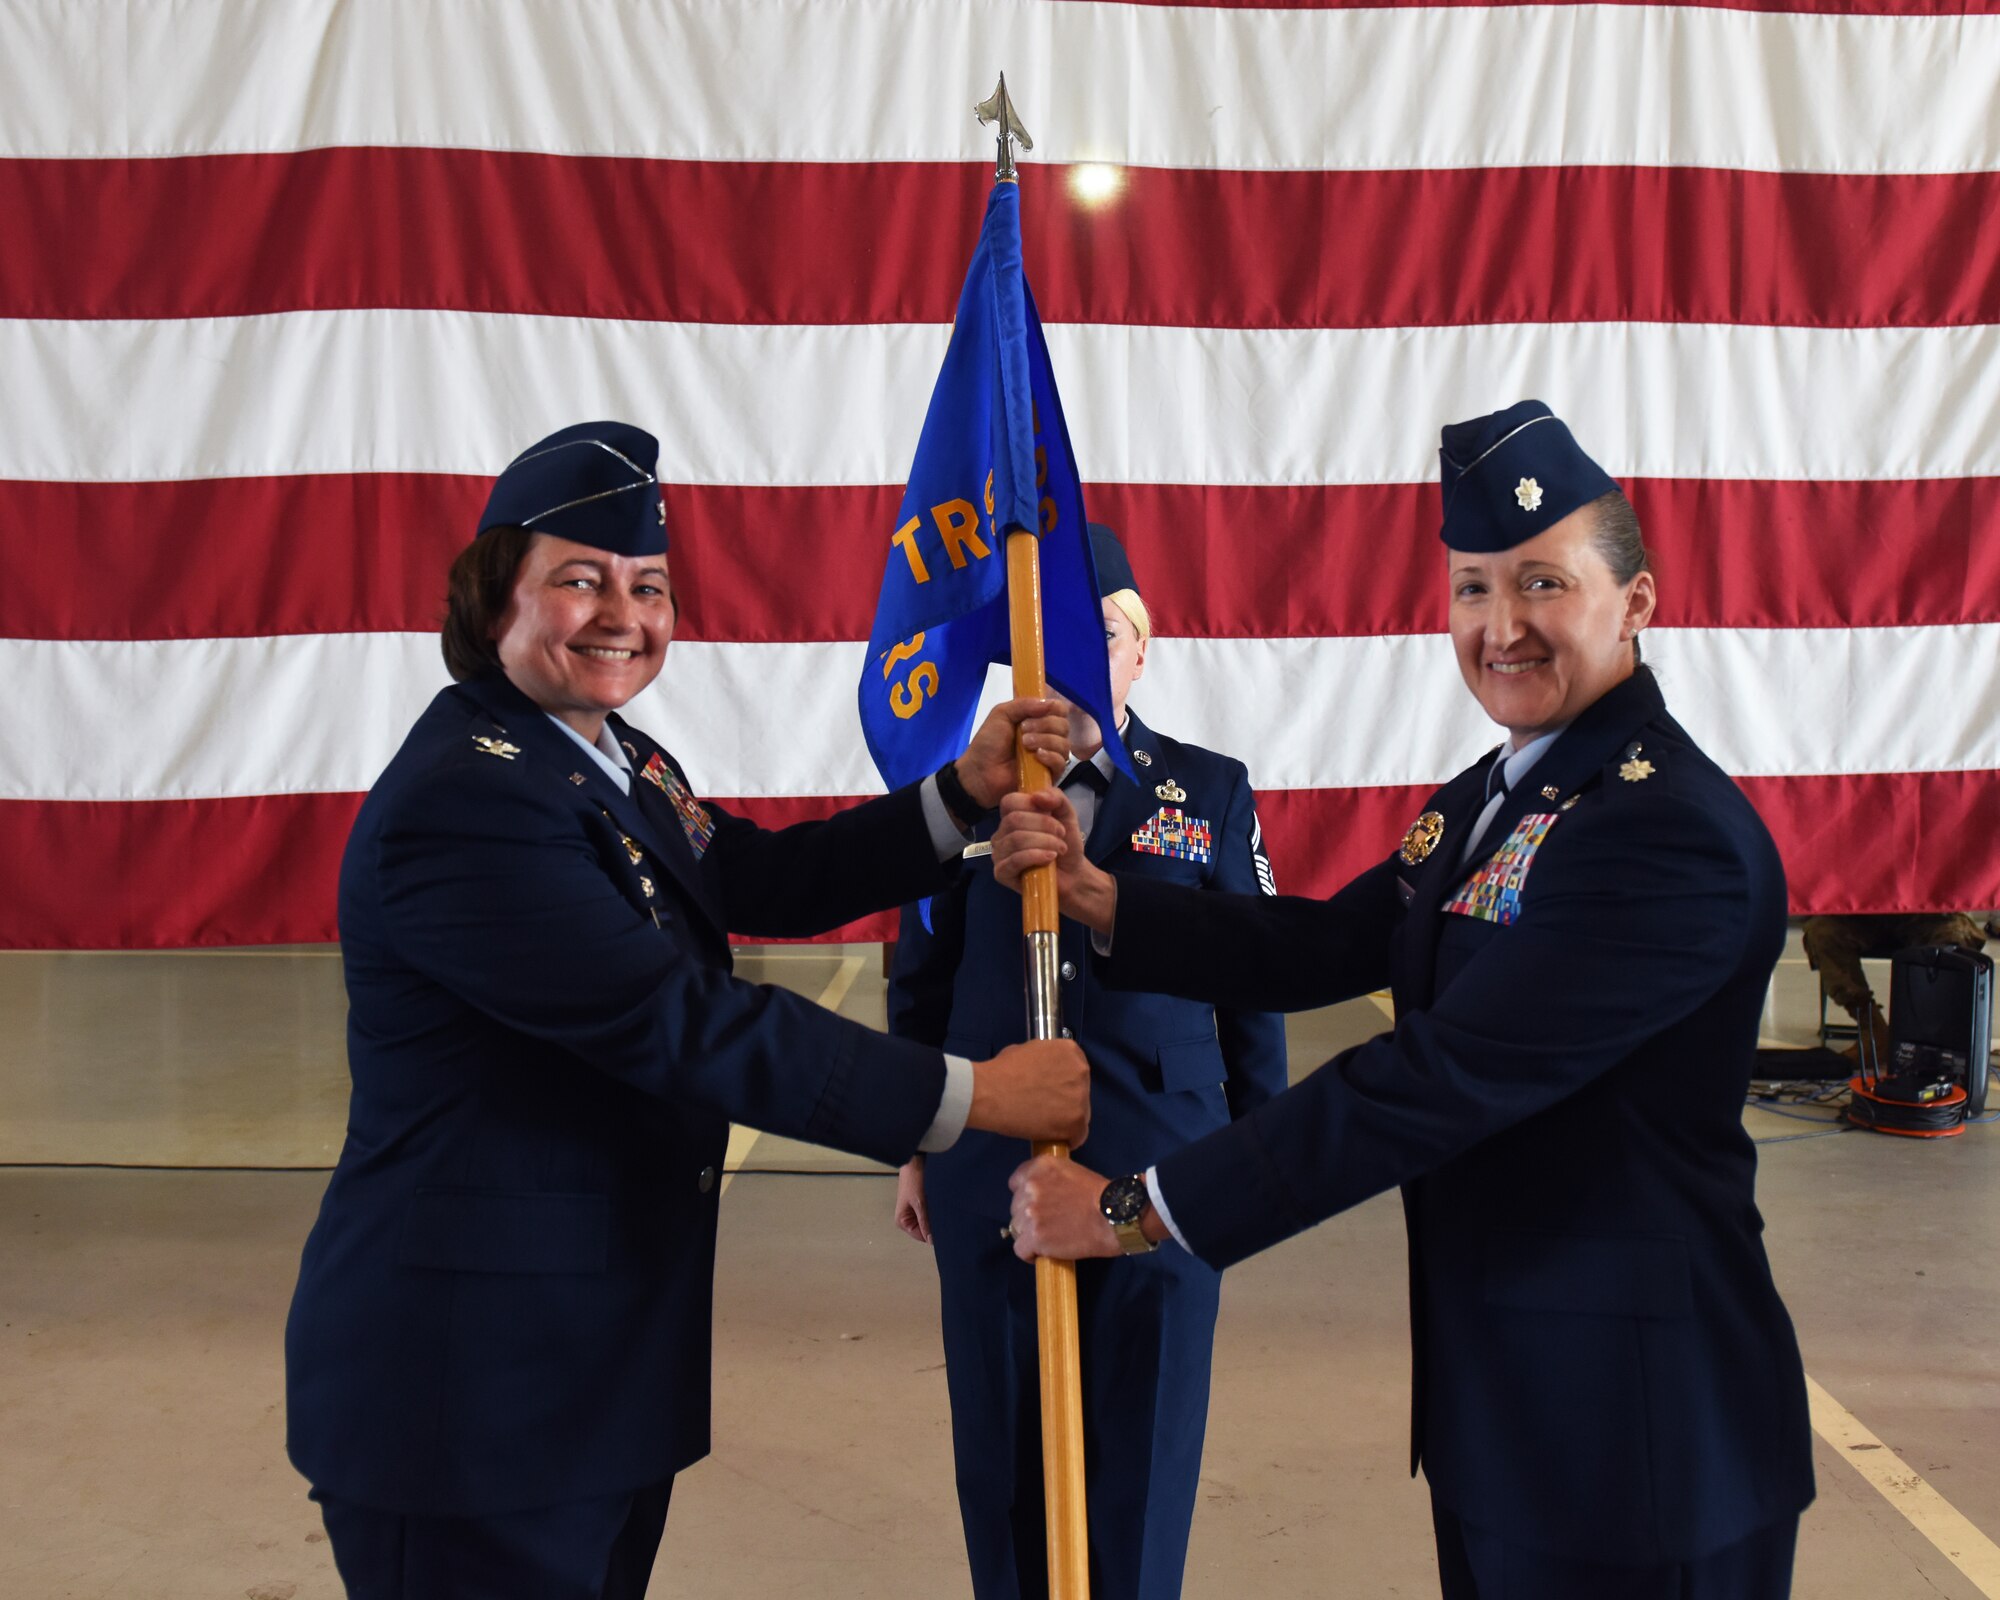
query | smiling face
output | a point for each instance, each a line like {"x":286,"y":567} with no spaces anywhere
{"x":1544,"y":629}
{"x":584,"y":630}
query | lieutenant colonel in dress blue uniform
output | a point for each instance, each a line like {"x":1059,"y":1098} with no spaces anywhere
{"x":1164,"y":1071}
{"x":1579,"y":931}
{"x":498,"y":1352}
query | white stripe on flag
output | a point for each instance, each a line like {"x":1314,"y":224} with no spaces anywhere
{"x":324,"y":712}
{"x":462,"y":392}
{"x":866,"y":80}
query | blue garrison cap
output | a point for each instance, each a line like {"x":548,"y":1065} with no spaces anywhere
{"x":1114,"y":570}
{"x":1512,"y":475}
{"x":592,"y":483}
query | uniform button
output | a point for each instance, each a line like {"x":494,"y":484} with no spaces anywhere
{"x":706,"y":1181}
{"x":1069,"y":972}
{"x":1066,"y":1033}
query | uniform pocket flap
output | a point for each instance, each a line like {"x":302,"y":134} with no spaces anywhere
{"x":1592,"y":1274}
{"x":1191,"y":1064}
{"x":493,"y":1230}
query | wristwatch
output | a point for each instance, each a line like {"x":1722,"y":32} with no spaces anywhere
{"x":1125,"y":1203}
{"x":958,"y":800}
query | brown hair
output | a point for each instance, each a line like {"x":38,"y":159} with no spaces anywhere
{"x":1616,"y":537}
{"x":481,"y":581}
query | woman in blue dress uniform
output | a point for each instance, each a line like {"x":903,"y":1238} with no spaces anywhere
{"x":1163,"y":1071}
{"x":498,"y":1352}
{"x":1579,"y":931}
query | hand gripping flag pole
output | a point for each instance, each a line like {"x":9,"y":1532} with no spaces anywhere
{"x":1055,"y":1281}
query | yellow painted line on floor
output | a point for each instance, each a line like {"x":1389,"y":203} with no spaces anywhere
{"x":1921,"y":1506}
{"x":182,"y":955}
{"x":740,"y":1138}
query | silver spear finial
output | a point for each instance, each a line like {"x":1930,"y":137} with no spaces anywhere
{"x":1000,"y":111}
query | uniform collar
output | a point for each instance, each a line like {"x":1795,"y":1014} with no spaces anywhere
{"x":1515,"y":764}
{"x":1102,"y":758}
{"x":605,"y":752}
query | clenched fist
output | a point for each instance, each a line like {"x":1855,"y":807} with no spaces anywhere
{"x":987,"y":768}
{"x":1039,"y":1091}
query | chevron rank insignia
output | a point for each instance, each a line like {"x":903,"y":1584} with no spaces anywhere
{"x":696,"y":823}
{"x":1259,"y":858}
{"x":1493,"y":893}
{"x":1170,"y":832}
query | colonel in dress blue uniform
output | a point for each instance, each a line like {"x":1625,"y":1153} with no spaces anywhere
{"x":1579,"y":930}
{"x":498,"y":1352}
{"x":1164,"y":1071}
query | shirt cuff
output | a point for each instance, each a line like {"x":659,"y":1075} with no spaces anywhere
{"x":946,"y":839}
{"x":954,"y":1107}
{"x":1160,"y":1205}
{"x":1100,"y":942}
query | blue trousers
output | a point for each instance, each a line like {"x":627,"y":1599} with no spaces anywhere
{"x":1476,"y":1565}
{"x":587,"y":1550}
{"x":1147,"y":1333}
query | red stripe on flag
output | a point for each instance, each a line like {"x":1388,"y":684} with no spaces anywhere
{"x":469,"y":230}
{"x":162,"y":874}
{"x":248,"y":557}
{"x":159,"y":874}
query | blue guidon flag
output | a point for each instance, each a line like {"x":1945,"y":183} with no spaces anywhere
{"x":994,"y":457}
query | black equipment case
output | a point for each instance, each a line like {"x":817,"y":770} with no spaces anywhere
{"x":1941,"y":1017}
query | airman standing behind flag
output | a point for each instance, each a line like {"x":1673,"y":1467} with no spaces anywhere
{"x":1164,"y":1071}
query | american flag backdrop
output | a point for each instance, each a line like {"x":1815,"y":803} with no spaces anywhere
{"x":283,"y":284}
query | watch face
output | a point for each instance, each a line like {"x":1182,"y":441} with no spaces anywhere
{"x":1124,"y":1200}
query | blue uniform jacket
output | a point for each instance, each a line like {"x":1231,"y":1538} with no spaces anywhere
{"x":505,"y":1301}
{"x":1603,"y":1368}
{"x":1163,"y":1070}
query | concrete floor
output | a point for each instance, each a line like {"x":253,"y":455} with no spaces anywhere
{"x":140,"y":1312}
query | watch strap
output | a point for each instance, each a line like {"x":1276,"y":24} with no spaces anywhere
{"x":965,"y":811}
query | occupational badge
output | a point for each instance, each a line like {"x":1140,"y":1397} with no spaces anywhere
{"x":1170,"y":792}
{"x":1422,"y":838}
{"x":1493,"y":893}
{"x":496,"y":747}
{"x":696,"y":823}
{"x":1170,"y":832}
{"x":1529,"y":494}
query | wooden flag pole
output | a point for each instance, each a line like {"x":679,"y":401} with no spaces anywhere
{"x":1055,"y":1281}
